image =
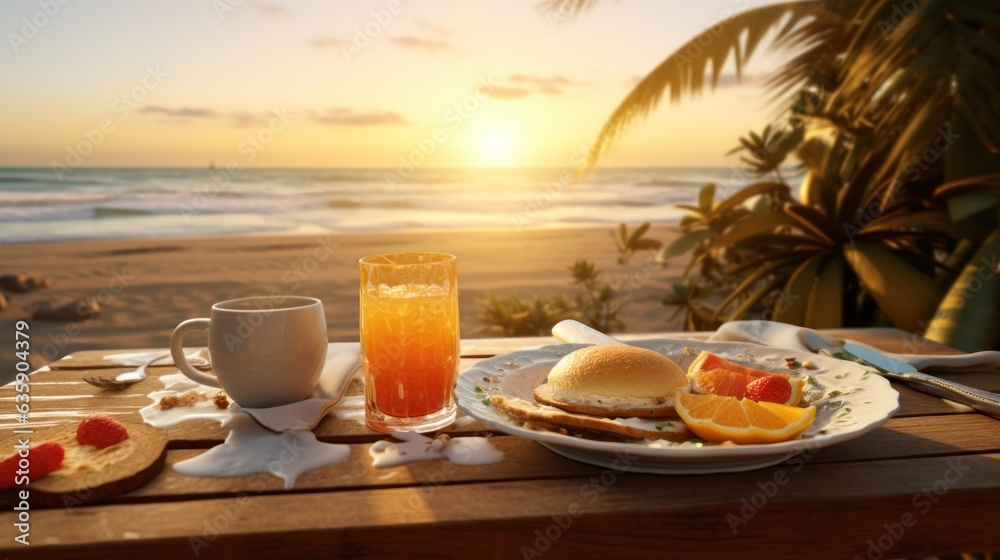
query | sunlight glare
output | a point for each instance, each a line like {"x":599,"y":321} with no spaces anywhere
{"x":496,"y":147}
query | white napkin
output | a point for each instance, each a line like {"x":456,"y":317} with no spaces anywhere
{"x":782,"y":335}
{"x":343,"y":359}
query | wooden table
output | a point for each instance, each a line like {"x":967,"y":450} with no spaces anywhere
{"x":928,"y":482}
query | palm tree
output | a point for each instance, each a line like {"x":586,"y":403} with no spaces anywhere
{"x":894,"y":111}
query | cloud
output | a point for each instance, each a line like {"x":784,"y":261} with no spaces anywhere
{"x":432,"y":27}
{"x":329,"y":42}
{"x":425,"y":45}
{"x":180,"y":112}
{"x":335,"y":116}
{"x":187,"y":115}
{"x":520,"y":86}
{"x":341,"y":116}
{"x":725,"y":80}
{"x":249,"y":118}
{"x":507,"y":92}
{"x":544,"y":81}
{"x":271,"y":9}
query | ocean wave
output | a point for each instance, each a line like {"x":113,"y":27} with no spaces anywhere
{"x":282,"y":200}
{"x":9,"y":181}
{"x":344,"y":178}
{"x":345,"y":204}
{"x":439,"y":179}
{"x":111,"y":212}
{"x":387,"y":204}
{"x":668,"y":183}
{"x":43,"y":198}
{"x":16,"y":179}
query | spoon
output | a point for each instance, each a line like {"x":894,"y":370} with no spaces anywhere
{"x":126,"y":379}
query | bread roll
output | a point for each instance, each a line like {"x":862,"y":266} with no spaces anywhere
{"x":613,"y":380}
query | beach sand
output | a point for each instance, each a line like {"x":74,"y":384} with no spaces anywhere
{"x":148,"y":286}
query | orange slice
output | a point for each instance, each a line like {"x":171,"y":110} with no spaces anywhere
{"x":718,"y":418}
{"x":798,"y":387}
{"x":720,"y":382}
{"x":707,"y":361}
{"x":721,"y":377}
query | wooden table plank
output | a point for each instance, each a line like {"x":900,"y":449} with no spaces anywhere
{"x":617,"y":515}
{"x":62,"y":396}
{"x":920,"y":436}
{"x":889,"y":339}
{"x":899,"y":439}
{"x":915,"y":403}
{"x":892,"y":340}
{"x":532,"y":461}
{"x":49,"y":410}
{"x":470,"y":347}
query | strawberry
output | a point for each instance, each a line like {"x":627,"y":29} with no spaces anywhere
{"x":100,"y":431}
{"x":41,"y":460}
{"x":772,"y":388}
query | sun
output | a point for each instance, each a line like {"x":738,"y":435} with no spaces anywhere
{"x":496,"y":146}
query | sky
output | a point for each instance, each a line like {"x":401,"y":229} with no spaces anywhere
{"x":449,"y":83}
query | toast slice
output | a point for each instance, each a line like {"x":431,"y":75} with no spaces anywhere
{"x":546,"y":416}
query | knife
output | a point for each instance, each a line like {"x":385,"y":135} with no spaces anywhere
{"x":983,"y":401}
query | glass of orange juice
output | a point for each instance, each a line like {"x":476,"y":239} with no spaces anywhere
{"x":409,"y":340}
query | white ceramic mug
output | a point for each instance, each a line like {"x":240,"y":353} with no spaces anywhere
{"x":265,"y":351}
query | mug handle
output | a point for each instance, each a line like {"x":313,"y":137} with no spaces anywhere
{"x":180,"y":360}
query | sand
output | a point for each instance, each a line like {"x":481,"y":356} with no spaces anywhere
{"x":148,"y":286}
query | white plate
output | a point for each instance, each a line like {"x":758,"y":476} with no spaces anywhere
{"x":850,"y":401}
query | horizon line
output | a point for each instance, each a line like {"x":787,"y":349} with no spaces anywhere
{"x":380,"y":168}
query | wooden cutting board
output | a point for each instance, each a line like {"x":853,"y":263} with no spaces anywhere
{"x":89,"y":474}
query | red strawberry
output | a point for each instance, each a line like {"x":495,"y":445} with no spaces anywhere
{"x":41,"y":460}
{"x":100,"y":431}
{"x":772,"y":388}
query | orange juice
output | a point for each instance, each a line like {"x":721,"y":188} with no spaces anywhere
{"x":409,"y":340}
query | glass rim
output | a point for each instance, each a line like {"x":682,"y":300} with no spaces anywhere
{"x":436,"y":259}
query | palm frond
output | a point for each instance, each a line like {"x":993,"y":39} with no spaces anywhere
{"x":907,"y":80}
{"x":684,"y":71}
{"x":817,"y":42}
